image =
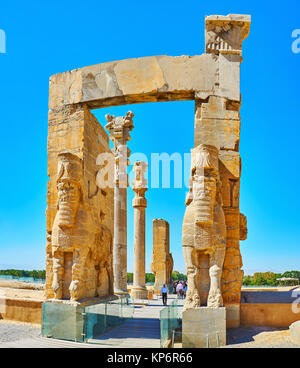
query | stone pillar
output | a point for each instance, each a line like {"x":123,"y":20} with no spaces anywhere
{"x":224,"y":37}
{"x":162,"y":260}
{"x":119,"y":129}
{"x":217,"y":128}
{"x":139,"y":290}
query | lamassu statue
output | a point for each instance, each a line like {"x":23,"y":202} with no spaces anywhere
{"x":204,"y":229}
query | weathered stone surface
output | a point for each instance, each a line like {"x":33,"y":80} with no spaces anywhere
{"x":139,"y":185}
{"x":264,"y":311}
{"x":295,"y":332}
{"x":135,"y":80}
{"x":146,"y":79}
{"x":80,"y":217}
{"x":204,"y":230}
{"x":120,"y":129}
{"x":213,"y":225}
{"x":204,"y":327}
{"x":243,"y":227}
{"x":225,"y":34}
{"x":216,"y":124}
{"x":79,"y":214}
{"x":161,"y":78}
{"x":162,"y":260}
{"x":231,"y":162}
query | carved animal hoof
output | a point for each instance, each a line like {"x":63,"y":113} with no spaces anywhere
{"x":55,"y":285}
{"x":74,"y":290}
{"x":191,"y":271}
{"x":188,"y":304}
{"x":215,"y":300}
{"x":196,"y":301}
{"x":192,"y":300}
{"x":57,"y":291}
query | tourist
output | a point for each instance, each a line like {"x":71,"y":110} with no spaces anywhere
{"x":185,"y":289}
{"x":179,"y":289}
{"x":164,"y":294}
{"x":174,"y":287}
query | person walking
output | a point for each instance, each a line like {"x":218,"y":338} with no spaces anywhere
{"x":164,"y":294}
{"x":185,"y":290}
{"x":179,"y":289}
{"x":174,"y":287}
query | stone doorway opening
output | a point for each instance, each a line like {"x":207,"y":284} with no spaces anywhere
{"x":155,"y":139}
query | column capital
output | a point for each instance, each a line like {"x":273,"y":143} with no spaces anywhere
{"x":139,"y":184}
{"x":119,"y":127}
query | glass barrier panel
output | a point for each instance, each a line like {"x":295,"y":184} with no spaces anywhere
{"x":63,"y":321}
{"x":170,"y":324}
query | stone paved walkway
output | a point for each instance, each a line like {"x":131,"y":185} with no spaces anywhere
{"x":142,"y":331}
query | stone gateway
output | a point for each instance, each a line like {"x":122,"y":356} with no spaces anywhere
{"x":86,"y":224}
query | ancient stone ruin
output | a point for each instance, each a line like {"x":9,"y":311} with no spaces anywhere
{"x":86,"y":224}
{"x":162,"y":261}
{"x":119,"y":129}
{"x":213,"y":225}
{"x":139,"y":185}
{"x":79,"y":214}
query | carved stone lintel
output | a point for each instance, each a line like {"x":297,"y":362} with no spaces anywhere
{"x":225,"y":34}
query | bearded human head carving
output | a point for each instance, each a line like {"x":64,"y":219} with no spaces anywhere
{"x":205,"y":171}
{"x":204,"y":230}
{"x":68,"y":188}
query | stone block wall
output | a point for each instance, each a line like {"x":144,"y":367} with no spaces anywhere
{"x":79,"y":246}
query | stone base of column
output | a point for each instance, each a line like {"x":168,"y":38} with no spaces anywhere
{"x":204,"y":327}
{"x":139,"y":293}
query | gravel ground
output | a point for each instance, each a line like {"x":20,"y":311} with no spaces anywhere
{"x":259,"y":337}
{"x":13,"y":331}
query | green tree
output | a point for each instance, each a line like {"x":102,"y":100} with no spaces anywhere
{"x":130,"y":277}
{"x":150,"y":277}
{"x":292,"y":274}
{"x":176,"y":275}
{"x":247,"y":280}
{"x":36,"y":274}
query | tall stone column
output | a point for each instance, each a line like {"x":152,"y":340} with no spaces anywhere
{"x":139,"y":290}
{"x":119,"y":129}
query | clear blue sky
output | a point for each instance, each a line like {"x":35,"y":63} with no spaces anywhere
{"x":44,"y":38}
